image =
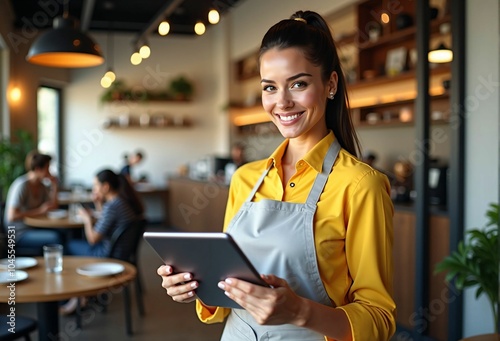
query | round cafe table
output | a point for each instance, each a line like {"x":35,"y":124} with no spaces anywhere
{"x":43,"y":221}
{"x":47,"y":289}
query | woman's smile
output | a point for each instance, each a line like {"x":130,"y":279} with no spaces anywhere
{"x":289,"y":118}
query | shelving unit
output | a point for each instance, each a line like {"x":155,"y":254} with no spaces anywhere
{"x":146,"y":114}
{"x":400,"y":113}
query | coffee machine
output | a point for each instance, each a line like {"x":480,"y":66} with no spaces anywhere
{"x":438,"y":178}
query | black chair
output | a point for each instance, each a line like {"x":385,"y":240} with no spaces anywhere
{"x":24,"y":326}
{"x":124,"y":245}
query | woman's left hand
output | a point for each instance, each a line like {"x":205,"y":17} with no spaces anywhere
{"x":268,"y":306}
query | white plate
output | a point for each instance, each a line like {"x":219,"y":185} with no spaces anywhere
{"x":17,"y":276}
{"x":100,"y":269}
{"x":20,"y":263}
{"x":57,"y":214}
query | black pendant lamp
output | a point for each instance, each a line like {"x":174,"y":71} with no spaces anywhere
{"x":65,"y":47}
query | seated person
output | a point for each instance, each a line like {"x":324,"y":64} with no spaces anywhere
{"x":28,"y":196}
{"x":117,"y":204}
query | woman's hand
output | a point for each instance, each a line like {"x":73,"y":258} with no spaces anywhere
{"x":179,"y":286}
{"x":268,"y":306}
{"x":85,"y":213}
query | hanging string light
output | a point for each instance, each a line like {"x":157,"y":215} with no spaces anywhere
{"x":199,"y":28}
{"x":164,"y":28}
{"x":213,"y":17}
{"x":135,"y":58}
{"x":145,"y":51}
{"x":109,"y":77}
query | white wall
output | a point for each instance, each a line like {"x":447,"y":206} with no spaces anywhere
{"x":482,"y":135}
{"x":89,"y":147}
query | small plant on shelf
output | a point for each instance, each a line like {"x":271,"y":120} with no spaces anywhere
{"x":476,"y":262}
{"x":181,"y":88}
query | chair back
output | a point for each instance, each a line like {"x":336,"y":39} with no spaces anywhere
{"x":124,"y":242}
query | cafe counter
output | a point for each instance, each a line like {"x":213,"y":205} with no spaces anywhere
{"x":195,"y":205}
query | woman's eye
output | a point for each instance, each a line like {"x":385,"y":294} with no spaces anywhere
{"x":268,"y":88}
{"x":299,"y":84}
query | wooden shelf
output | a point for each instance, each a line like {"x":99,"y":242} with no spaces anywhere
{"x":402,"y":35}
{"x":395,"y":124}
{"x":439,"y":104}
{"x":377,"y":81}
{"x":147,"y":101}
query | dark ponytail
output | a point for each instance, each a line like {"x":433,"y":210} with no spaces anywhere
{"x":120,"y":184}
{"x":309,"y":32}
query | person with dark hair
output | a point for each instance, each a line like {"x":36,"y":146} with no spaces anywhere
{"x":117,"y":204}
{"x":313,"y":219}
{"x":29,"y":196}
{"x":131,"y":161}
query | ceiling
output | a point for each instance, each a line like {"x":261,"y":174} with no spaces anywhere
{"x":132,"y":16}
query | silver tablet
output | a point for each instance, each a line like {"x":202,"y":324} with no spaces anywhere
{"x":210,"y":256}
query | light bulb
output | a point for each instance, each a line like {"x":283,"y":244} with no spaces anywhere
{"x":199,"y":28}
{"x":136,"y":58}
{"x":15,"y":94}
{"x":384,"y":17}
{"x":106,"y":82}
{"x":213,"y":17}
{"x":111,"y":75}
{"x":163,"y":28}
{"x":145,"y":51}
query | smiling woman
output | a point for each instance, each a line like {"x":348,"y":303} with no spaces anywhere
{"x":314,"y":220}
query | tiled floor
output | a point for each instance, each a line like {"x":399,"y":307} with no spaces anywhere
{"x":164,"y":320}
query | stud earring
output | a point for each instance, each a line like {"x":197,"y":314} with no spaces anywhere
{"x":331,"y":95}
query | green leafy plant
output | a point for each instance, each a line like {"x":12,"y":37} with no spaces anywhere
{"x":476,"y":261}
{"x":13,"y":152}
{"x":181,"y":88}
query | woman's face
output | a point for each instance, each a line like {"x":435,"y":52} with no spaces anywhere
{"x":99,"y":190}
{"x":294,"y":94}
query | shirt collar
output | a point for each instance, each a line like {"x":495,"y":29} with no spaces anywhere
{"x":314,"y":158}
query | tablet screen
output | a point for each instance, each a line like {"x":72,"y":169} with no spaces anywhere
{"x":210,"y":256}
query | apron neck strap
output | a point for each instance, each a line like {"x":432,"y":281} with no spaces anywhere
{"x":321,"y":178}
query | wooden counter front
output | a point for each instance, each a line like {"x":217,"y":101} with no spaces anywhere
{"x":435,"y":315}
{"x":197,"y":206}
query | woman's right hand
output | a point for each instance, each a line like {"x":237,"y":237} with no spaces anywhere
{"x":179,"y":286}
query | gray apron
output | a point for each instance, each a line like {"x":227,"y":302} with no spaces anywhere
{"x":278,"y":238}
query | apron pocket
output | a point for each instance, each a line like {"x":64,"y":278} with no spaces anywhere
{"x":237,"y":329}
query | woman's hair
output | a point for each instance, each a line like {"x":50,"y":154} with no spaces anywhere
{"x":120,"y":184}
{"x":308,"y":31}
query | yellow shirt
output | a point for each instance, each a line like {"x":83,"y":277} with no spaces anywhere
{"x":353,"y":233}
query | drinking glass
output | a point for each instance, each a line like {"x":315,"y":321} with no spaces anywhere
{"x":53,"y":255}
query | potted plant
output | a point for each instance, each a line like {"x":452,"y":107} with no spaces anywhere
{"x":181,"y":88}
{"x":116,"y":92}
{"x":476,"y":262}
{"x":13,"y":152}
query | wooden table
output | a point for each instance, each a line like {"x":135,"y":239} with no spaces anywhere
{"x":483,"y":337}
{"x":44,"y":222}
{"x":47,"y":289}
{"x":66,"y":198}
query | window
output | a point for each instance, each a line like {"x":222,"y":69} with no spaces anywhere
{"x":49,"y":133}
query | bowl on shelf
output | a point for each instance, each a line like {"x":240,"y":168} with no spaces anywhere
{"x":369,"y":74}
